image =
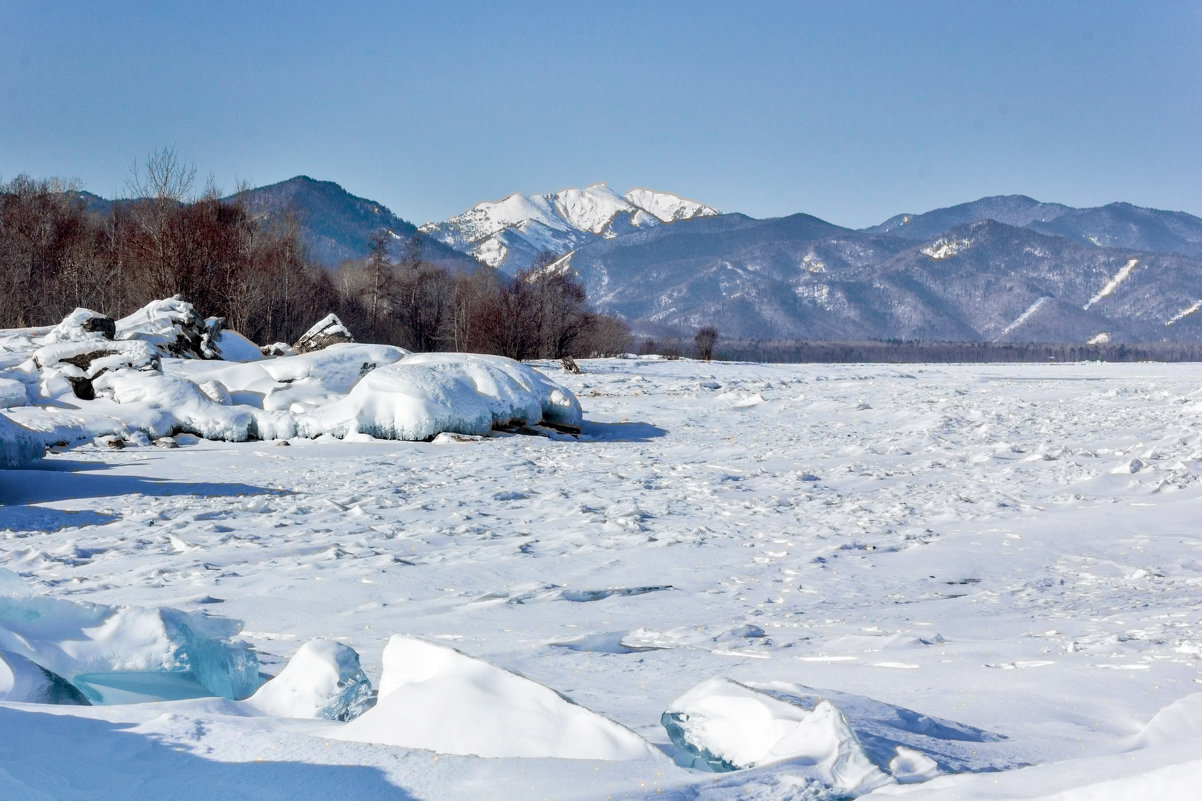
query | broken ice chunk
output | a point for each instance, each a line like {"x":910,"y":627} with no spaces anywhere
{"x":226,"y":667}
{"x":322,"y":680}
{"x":721,"y":725}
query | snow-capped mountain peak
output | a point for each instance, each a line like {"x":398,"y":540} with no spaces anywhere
{"x":509,"y":232}
{"x":591,"y":209}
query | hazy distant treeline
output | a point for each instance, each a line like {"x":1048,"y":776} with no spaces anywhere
{"x":230,"y":260}
{"x":894,"y":351}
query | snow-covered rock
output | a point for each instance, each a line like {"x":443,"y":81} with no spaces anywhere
{"x":327,"y":331}
{"x":174,"y":328}
{"x":437,"y":698}
{"x":87,"y":388}
{"x":83,"y":324}
{"x":323,"y":679}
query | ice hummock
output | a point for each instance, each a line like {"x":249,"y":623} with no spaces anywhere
{"x":120,"y":654}
{"x":848,"y":742}
{"x":721,"y":725}
{"x":18,"y":445}
{"x":323,"y":679}
{"x":435,"y":697}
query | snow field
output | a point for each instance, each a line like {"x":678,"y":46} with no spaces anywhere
{"x":1012,"y":550}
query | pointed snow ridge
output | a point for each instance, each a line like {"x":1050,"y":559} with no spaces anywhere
{"x":591,"y":209}
{"x":667,"y":207}
{"x":437,"y":698}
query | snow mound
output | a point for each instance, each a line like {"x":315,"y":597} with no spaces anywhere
{"x":116,"y":654}
{"x":886,"y":732}
{"x":437,"y":698}
{"x":322,"y":680}
{"x":423,"y":395}
{"x":18,"y":446}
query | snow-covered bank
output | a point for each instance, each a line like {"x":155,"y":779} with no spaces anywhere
{"x":92,"y":377}
{"x":978,"y":568}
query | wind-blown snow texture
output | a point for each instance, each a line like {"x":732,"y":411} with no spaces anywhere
{"x":976,"y":567}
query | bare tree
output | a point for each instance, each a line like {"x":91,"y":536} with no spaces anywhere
{"x":705,"y":339}
{"x":161,"y":176}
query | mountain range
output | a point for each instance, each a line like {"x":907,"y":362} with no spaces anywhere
{"x":1006,"y":268}
{"x":801,"y":278}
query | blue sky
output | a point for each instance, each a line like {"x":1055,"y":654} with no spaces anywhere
{"x":851,"y":111}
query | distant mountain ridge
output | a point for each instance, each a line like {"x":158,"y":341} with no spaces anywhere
{"x":1120,"y":225}
{"x":801,"y":278}
{"x":336,"y":225}
{"x":508,"y":233}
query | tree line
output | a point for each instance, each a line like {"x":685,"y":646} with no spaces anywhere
{"x":917,"y":351}
{"x":234,"y":261}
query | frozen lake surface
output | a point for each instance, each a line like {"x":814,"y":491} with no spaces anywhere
{"x":1014,"y":549}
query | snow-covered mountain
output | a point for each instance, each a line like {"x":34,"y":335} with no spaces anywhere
{"x":799,"y":277}
{"x":508,"y":233}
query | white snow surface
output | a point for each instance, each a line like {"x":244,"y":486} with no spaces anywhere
{"x":1008,"y":556}
{"x":942,"y":248}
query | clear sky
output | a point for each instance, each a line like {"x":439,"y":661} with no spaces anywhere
{"x":851,"y":111}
